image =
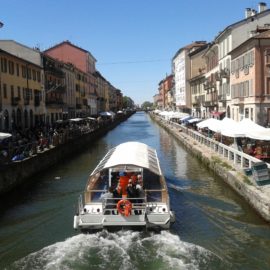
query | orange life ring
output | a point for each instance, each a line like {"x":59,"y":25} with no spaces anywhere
{"x":124,"y":207}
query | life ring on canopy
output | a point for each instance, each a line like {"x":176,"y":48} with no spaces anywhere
{"x":124,"y":207}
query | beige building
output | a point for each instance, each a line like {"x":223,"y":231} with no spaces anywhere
{"x":22,"y":99}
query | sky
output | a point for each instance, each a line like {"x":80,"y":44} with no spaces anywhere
{"x":133,"y":41}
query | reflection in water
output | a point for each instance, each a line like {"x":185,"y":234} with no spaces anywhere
{"x":214,"y":228}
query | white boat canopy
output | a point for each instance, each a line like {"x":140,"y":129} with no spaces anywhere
{"x":130,"y":153}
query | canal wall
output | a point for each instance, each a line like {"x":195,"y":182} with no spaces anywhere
{"x":20,"y":172}
{"x":258,"y":197}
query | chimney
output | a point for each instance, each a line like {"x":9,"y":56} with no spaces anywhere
{"x":261,"y":7}
{"x":253,"y":12}
{"x":248,"y":12}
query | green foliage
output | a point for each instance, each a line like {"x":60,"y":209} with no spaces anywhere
{"x":147,"y":105}
{"x":127,"y":102}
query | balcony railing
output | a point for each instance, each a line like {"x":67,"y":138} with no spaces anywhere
{"x":54,"y":102}
{"x":15,"y":101}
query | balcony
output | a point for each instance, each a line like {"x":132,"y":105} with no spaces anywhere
{"x":238,"y":101}
{"x":78,"y":106}
{"x":225,"y":73}
{"x":222,"y":97}
{"x":54,"y":87}
{"x":209,"y":85}
{"x":15,"y":101}
{"x":27,"y":101}
{"x":209,"y":103}
{"x":54,"y":101}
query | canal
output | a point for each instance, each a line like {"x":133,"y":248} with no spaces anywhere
{"x":214,"y":229}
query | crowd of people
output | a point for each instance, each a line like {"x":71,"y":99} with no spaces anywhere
{"x":25,"y":143}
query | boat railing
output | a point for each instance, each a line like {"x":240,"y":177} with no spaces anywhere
{"x":80,"y":204}
{"x":109,"y":205}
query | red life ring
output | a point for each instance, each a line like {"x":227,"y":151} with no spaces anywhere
{"x":124,"y":207}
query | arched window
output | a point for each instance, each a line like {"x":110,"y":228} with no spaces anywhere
{"x":19,"y":118}
{"x":13,"y":120}
{"x":6,"y":120}
{"x":31,"y":119}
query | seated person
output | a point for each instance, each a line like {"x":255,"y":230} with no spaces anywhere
{"x":131,"y":189}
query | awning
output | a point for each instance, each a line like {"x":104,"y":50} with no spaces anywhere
{"x":130,"y":153}
{"x":4,"y":135}
{"x":215,"y":113}
{"x":105,"y":114}
{"x":194,"y":120}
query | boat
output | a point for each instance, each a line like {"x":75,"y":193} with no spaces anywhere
{"x":130,"y":164}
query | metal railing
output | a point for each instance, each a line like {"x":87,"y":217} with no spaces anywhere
{"x":238,"y":158}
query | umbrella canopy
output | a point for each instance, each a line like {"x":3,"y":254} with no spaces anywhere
{"x":208,"y":122}
{"x":231,"y":128}
{"x":105,"y":114}
{"x":254,"y":131}
{"x":4,"y":135}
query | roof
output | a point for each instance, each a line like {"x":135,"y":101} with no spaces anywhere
{"x":130,"y":153}
{"x":67,"y":42}
{"x":234,"y":25}
{"x":260,"y":35}
{"x":195,"y":44}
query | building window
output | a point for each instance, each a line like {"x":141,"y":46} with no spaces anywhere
{"x":11,"y":67}
{"x":4,"y":65}
{"x":18,"y":69}
{"x":12,"y":91}
{"x":29,"y":75}
{"x":5,"y":90}
{"x":268,"y":86}
{"x":38,"y":76}
{"x":24,"y":71}
{"x":34,"y":75}
{"x":19,"y":92}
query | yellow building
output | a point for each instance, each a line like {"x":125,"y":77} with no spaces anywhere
{"x":21,"y":87}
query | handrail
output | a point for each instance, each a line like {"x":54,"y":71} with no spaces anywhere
{"x":238,"y":158}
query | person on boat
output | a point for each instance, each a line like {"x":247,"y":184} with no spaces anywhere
{"x":107,"y":197}
{"x":139,"y":188}
{"x":123,"y":182}
{"x":134,"y":179}
{"x":131,"y":189}
{"x":108,"y":194}
{"x":117,"y":192}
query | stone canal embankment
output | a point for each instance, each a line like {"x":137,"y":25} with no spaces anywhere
{"x":16,"y":173}
{"x":229,"y":169}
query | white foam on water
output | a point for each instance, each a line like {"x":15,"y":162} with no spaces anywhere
{"x":179,"y":188}
{"x":122,"y":250}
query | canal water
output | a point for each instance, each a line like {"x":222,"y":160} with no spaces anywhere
{"x":214,"y":229}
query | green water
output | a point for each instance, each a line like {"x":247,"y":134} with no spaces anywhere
{"x":214,"y":229}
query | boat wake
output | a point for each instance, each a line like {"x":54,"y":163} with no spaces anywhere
{"x":122,"y":250}
{"x":178,"y":188}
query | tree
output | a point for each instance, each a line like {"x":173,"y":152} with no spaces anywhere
{"x":127,"y":102}
{"x":147,"y":105}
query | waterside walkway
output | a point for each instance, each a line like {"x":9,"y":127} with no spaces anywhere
{"x":229,"y":163}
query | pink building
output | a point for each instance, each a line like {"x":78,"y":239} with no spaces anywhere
{"x":84,"y":61}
